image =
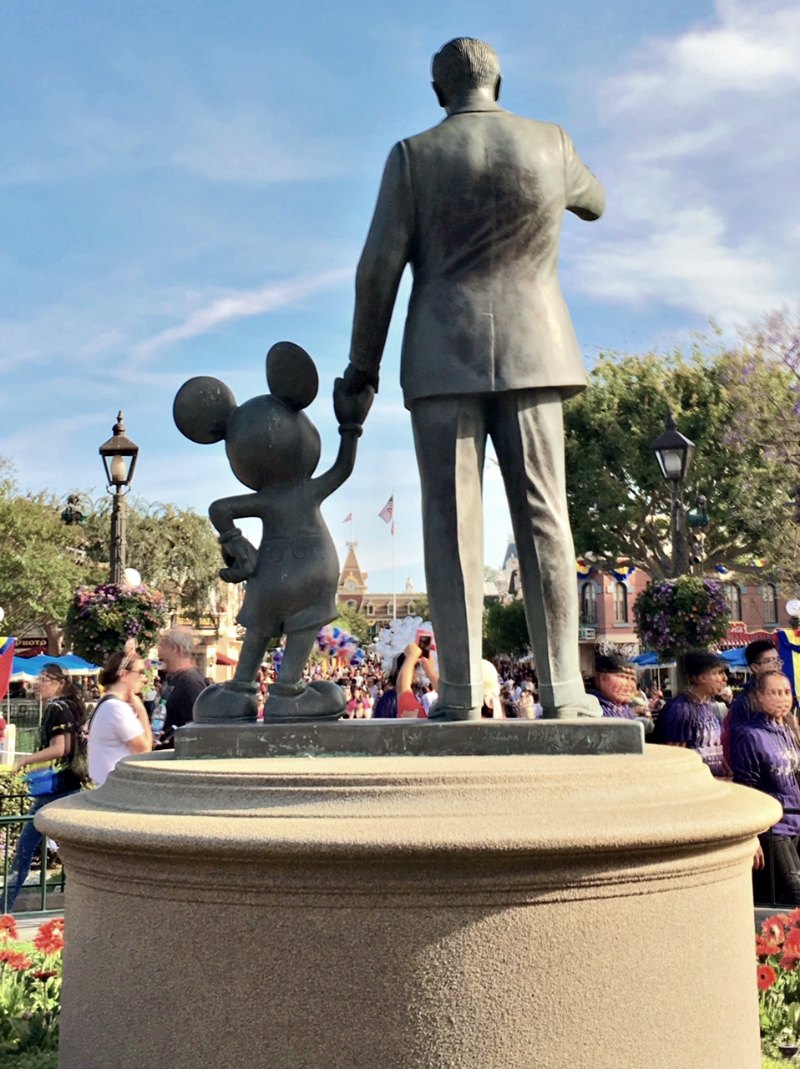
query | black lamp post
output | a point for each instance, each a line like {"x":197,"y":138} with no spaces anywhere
{"x":673,"y":452}
{"x":119,"y":460}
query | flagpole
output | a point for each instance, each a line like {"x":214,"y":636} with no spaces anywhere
{"x":394,"y":578}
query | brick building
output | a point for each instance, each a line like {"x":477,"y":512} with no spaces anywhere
{"x":354,"y":593}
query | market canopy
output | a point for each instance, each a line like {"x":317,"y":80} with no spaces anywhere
{"x":735,"y":657}
{"x":31,"y":667}
{"x":648,"y":659}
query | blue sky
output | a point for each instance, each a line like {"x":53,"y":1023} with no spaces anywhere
{"x":184,"y":184}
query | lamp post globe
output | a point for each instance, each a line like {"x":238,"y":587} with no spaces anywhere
{"x":119,"y":455}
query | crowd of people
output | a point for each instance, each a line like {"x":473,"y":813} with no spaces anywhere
{"x":752,"y":739}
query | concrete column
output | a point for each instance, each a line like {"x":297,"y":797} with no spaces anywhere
{"x":410,"y":913}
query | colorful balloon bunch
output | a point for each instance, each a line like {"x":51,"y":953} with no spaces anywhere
{"x":337,"y":643}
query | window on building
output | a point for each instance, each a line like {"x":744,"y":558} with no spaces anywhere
{"x":620,"y":604}
{"x":770,"y":603}
{"x":588,"y":605}
{"x":733,"y":595}
{"x":351,"y":604}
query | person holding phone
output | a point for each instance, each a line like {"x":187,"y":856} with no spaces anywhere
{"x":407,"y":704}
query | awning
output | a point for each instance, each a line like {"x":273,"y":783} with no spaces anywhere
{"x":228,"y":661}
{"x":31,"y":667}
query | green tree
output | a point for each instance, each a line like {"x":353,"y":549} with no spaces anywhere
{"x":619,"y":501}
{"x":174,"y":550}
{"x":505,"y":630}
{"x":42,"y":561}
{"x":422,"y":607}
{"x":354,"y":623}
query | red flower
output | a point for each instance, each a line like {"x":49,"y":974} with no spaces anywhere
{"x":773,"y":931}
{"x":50,"y":937}
{"x":766,"y":977}
{"x":8,"y":927}
{"x":794,"y":917}
{"x":16,"y":960}
{"x":792,"y":942}
{"x":44,"y":975}
{"x":765,"y":949}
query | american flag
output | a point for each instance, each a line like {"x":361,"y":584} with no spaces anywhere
{"x":387,"y":512}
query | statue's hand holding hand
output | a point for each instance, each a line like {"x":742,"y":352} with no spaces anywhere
{"x":351,"y":406}
{"x":240,"y":556}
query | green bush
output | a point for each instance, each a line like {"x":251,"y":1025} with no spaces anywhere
{"x":40,"y":1059}
{"x":12,"y":785}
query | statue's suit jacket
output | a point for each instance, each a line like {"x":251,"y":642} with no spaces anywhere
{"x":475,"y":206}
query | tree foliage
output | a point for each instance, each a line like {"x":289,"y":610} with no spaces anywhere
{"x":354,"y":623}
{"x":42,"y":562}
{"x":620,"y":503}
{"x":505,"y":630}
{"x":174,"y":550}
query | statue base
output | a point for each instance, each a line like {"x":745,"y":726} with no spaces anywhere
{"x":425,"y":913}
{"x":398,"y":738}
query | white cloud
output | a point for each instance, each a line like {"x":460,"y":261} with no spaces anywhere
{"x":236,"y":305}
{"x":702,"y":167}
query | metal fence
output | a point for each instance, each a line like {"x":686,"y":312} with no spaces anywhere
{"x":44,"y":878}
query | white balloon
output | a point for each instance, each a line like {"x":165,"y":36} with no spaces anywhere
{"x":130,"y":577}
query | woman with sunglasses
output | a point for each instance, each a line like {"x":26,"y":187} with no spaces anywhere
{"x":120,"y":725}
{"x":62,"y":720}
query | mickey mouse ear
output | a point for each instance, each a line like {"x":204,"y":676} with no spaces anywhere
{"x":201,"y":409}
{"x":291,"y":375}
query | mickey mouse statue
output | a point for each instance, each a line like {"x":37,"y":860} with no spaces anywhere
{"x":273,"y":448}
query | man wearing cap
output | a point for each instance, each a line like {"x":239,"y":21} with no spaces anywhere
{"x":614,"y":685}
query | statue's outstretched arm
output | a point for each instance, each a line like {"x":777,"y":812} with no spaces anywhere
{"x":351,"y":410}
{"x":585,"y":195}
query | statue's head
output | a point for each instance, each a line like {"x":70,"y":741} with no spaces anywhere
{"x":463,"y":66}
{"x":269,"y":439}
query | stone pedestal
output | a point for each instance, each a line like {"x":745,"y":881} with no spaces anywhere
{"x":529,"y":912}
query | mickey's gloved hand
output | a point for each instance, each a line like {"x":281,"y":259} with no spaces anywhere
{"x":351,"y":408}
{"x":240,"y":556}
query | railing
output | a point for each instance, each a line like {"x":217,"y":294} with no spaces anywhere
{"x":46,"y":884}
{"x":769,"y":860}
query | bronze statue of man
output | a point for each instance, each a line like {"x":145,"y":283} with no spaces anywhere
{"x":475,"y":206}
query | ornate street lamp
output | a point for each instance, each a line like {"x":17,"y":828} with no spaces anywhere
{"x":673,"y":452}
{"x":119,"y":460}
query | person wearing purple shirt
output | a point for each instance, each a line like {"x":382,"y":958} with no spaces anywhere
{"x":765,"y":755}
{"x":761,"y":656}
{"x":690,"y":718}
{"x":614,"y":684}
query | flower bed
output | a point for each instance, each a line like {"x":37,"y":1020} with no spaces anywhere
{"x":778,"y":977}
{"x":30,"y":993}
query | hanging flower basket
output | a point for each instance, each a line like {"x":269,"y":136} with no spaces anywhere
{"x":101,"y":620}
{"x":675,"y":615}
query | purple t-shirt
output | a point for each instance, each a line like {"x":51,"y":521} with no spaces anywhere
{"x":695,"y":725}
{"x":612,"y":708}
{"x":765,"y":755}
